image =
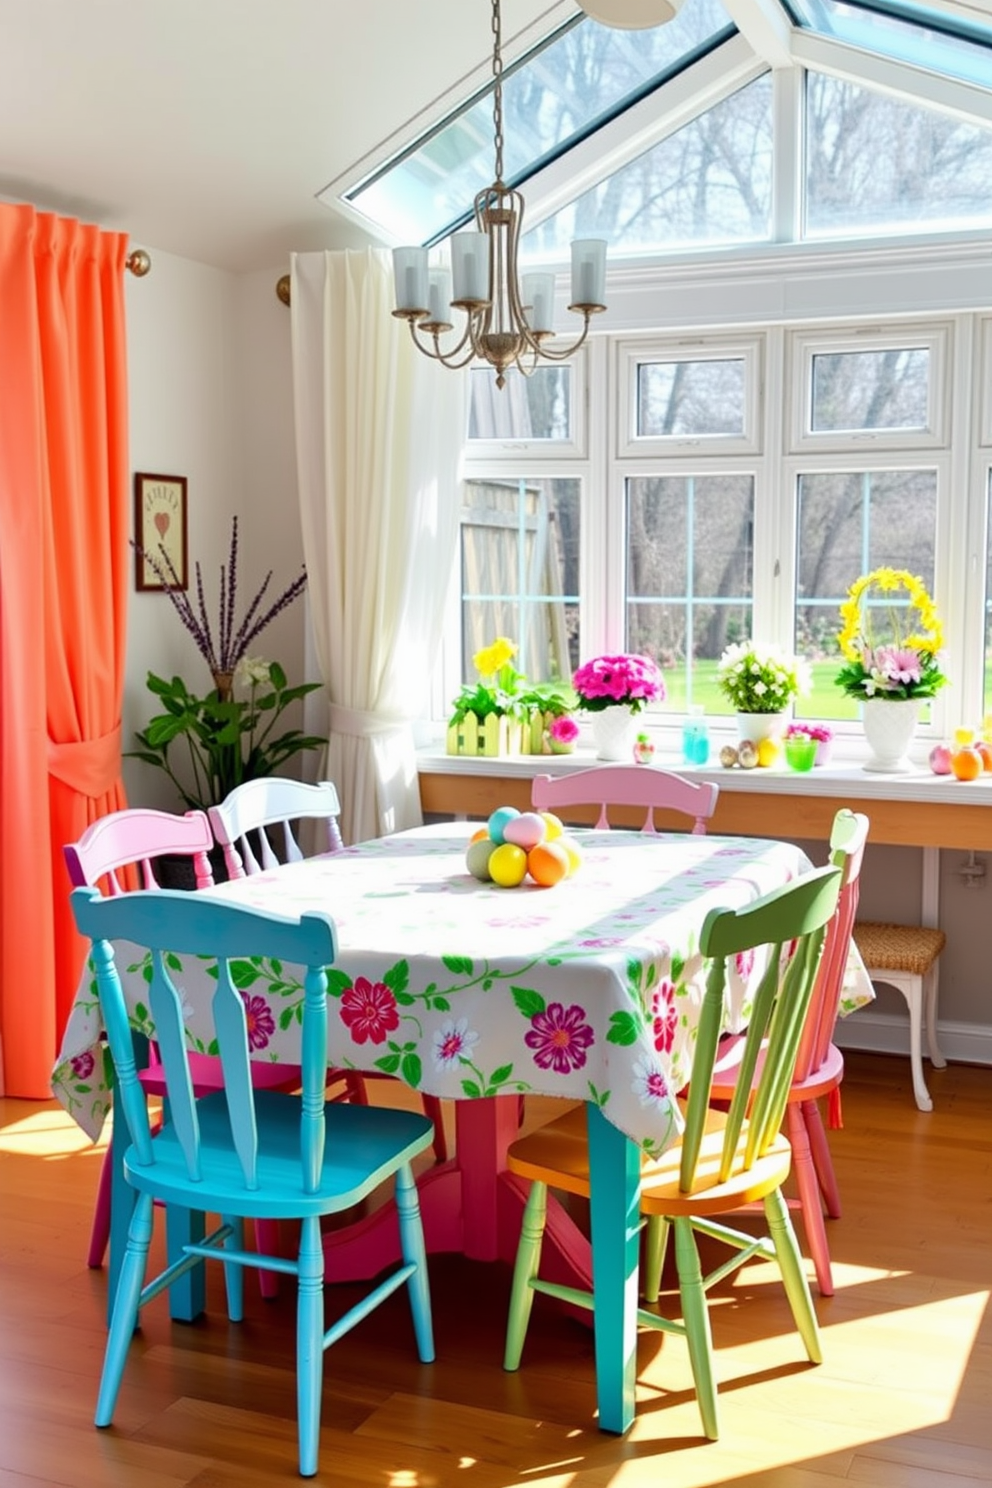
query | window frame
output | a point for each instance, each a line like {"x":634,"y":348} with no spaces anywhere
{"x":804,"y":346}
{"x":632,"y":354}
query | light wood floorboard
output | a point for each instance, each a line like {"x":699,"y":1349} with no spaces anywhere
{"x":903,"y":1399}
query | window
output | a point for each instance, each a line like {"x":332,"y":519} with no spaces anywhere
{"x":519,"y":572}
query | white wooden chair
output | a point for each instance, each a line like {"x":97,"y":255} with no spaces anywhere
{"x":906,"y":957}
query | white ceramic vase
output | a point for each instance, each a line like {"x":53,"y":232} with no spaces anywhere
{"x":758,"y":726}
{"x":889,"y":726}
{"x":614,"y":730}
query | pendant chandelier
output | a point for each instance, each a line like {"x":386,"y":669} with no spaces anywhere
{"x":507,"y":317}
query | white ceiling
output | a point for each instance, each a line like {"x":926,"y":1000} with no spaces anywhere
{"x":206,"y":127}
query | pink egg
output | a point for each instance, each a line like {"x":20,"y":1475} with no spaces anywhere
{"x":526,"y":830}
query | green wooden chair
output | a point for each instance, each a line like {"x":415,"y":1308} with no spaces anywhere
{"x":725,"y":1159}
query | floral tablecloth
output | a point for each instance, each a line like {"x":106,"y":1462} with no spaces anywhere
{"x":589,"y":990}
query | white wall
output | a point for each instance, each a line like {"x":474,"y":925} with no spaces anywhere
{"x":211,"y":399}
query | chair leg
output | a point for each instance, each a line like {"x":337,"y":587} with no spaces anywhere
{"x":930,"y":1016}
{"x":309,"y":1344}
{"x":696,"y":1316}
{"x":822,"y":1160}
{"x":790,"y":1263}
{"x":809,"y":1198}
{"x":912,"y":990}
{"x":124,"y":1314}
{"x":234,"y":1273}
{"x":525,"y":1269}
{"x":415,"y":1253}
{"x":655,"y":1246}
{"x":100,"y":1232}
{"x":434,"y":1111}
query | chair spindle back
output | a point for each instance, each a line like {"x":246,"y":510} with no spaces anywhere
{"x":628,"y":785}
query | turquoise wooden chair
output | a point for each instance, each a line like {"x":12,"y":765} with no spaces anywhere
{"x":244,"y":1153}
{"x":259,"y":806}
{"x":725,"y":1159}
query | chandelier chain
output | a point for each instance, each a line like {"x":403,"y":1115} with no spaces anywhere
{"x":498,"y":90}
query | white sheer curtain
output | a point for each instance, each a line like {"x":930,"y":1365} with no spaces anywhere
{"x":379,"y":432}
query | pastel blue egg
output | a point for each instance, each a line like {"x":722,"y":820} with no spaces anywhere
{"x":498,"y":821}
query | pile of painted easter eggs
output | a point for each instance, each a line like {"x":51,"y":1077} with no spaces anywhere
{"x":514,"y":845}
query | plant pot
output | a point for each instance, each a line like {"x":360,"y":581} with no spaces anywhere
{"x":889,"y":725}
{"x":757,"y":726}
{"x":176,"y":871}
{"x":614,"y":730}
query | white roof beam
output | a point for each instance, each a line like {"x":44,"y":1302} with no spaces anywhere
{"x":766,"y":26}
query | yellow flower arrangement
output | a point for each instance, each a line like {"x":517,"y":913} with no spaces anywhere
{"x":898,"y":659}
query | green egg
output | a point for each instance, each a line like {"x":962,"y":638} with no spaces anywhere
{"x":477,"y":858}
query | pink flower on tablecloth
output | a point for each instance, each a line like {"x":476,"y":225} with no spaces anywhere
{"x":369,"y":1010}
{"x":605,"y":940}
{"x":649,"y":1084}
{"x":452,"y":1041}
{"x":83,"y":1066}
{"x":559,"y":1037}
{"x":665,"y":1018}
{"x":261,"y":1024}
{"x":744,"y":963}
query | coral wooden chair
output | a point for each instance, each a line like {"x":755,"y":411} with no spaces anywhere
{"x":628,"y":785}
{"x":240,"y":1152}
{"x":820,"y":1064}
{"x":906,"y":957}
{"x":258,"y":805}
{"x":724,"y":1160}
{"x":139,"y":836}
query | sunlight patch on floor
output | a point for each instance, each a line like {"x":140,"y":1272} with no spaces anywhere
{"x":47,"y":1133}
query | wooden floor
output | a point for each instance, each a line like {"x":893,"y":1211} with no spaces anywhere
{"x":904,"y":1396}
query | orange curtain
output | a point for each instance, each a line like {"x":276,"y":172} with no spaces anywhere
{"x":64,"y":525}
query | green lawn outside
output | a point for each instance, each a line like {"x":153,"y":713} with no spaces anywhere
{"x":824,"y":701}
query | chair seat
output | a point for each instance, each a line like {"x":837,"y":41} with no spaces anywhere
{"x":366,"y":1143}
{"x":208,"y":1076}
{"x":819,"y":1082}
{"x":908,"y":948}
{"x":557,"y":1154}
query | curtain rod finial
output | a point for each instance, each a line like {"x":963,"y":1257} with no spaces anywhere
{"x":139,"y":262}
{"x":282,"y":289}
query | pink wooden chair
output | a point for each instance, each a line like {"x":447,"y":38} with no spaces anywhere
{"x":820,"y":1064}
{"x":253,"y":810}
{"x":139,"y":836}
{"x":628,"y":785}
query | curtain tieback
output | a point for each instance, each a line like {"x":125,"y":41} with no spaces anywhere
{"x":91,"y":766}
{"x":363,"y":725}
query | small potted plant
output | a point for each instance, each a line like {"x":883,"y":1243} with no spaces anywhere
{"x":561,"y":734}
{"x":820,"y":732}
{"x":760,"y":681}
{"x":643,"y":749}
{"x":614,"y":689}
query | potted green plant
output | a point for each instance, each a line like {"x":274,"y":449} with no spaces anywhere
{"x":209,"y":743}
{"x":760,"y":681}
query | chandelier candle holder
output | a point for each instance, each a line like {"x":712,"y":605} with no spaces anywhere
{"x":508,"y":318}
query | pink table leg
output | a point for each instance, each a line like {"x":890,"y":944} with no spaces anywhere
{"x":469,"y":1204}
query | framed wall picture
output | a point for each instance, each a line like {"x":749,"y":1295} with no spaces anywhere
{"x":160,"y":529}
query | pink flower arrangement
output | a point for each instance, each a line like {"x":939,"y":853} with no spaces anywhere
{"x":609,"y":680}
{"x":818,"y":731}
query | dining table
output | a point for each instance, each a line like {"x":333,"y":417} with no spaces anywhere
{"x":589,"y":990}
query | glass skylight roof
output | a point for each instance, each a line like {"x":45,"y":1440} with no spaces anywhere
{"x":916,"y":34}
{"x":582,"y":77}
{"x":586,"y":76}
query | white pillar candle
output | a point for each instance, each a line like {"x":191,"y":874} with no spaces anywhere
{"x":470,"y":265}
{"x":538,"y":295}
{"x":439,"y":297}
{"x":589,"y":271}
{"x":410,"y":278}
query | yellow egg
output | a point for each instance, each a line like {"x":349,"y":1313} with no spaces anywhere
{"x":552,"y":824}
{"x":573,"y":853}
{"x":507,"y":865}
{"x":768,"y":752}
